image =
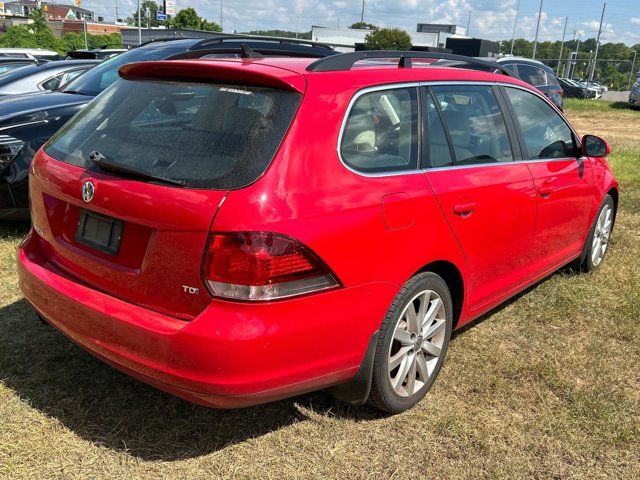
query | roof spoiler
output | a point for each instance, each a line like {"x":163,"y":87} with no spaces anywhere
{"x":220,"y":71}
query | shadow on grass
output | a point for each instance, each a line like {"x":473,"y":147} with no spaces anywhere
{"x":623,"y":106}
{"x":11,"y":230}
{"x":104,"y":406}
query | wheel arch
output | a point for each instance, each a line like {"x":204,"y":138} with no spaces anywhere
{"x":615,"y":195}
{"x":452,"y":276}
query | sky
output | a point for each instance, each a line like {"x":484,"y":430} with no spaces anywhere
{"x":492,"y":19}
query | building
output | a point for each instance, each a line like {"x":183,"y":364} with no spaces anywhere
{"x":54,"y":10}
{"x":443,"y":30}
{"x":350,"y":39}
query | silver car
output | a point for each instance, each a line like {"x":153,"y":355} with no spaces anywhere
{"x":38,"y":78}
{"x":634,"y":95}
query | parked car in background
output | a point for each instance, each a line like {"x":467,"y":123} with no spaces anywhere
{"x":537,"y":74}
{"x":38,"y":53}
{"x":634,"y":94}
{"x":11,"y":63}
{"x":242,"y":230}
{"x":572,"y":89}
{"x":28,"y":121}
{"x":96,"y":53}
{"x":593,"y":90}
{"x":46,"y":76}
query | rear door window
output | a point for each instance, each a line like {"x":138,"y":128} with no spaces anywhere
{"x":475,"y":124}
{"x":439,"y":150}
{"x":381,"y":131}
{"x":543,"y":130}
{"x":532,"y":75}
{"x":199,"y":135}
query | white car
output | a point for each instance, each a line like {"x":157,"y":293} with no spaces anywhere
{"x":39,"y":53}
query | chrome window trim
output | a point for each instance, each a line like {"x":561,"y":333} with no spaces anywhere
{"x":413,"y":171}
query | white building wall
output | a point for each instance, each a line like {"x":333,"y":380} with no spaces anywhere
{"x":346,"y":38}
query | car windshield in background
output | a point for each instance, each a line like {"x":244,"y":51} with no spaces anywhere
{"x":105,"y":74}
{"x":199,"y":135}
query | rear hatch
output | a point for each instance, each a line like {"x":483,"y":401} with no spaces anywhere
{"x":125,"y":194}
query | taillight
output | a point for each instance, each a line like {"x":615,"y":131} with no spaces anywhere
{"x":262,"y":266}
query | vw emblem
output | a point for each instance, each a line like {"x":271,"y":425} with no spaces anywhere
{"x":88,"y":191}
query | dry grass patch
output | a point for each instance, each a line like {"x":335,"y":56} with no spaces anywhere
{"x":547,"y":386}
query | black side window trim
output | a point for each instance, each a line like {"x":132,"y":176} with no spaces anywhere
{"x":427,"y":137}
{"x":577,"y":146}
{"x":511,"y":124}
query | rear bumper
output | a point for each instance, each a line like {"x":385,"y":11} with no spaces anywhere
{"x":634,"y":99}
{"x":232,"y":354}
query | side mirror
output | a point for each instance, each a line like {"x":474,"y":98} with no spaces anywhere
{"x":593,"y":146}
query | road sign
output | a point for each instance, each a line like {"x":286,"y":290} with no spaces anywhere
{"x":170,"y":7}
{"x":161,"y":17}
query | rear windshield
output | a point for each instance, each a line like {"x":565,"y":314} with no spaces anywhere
{"x":200,"y":135}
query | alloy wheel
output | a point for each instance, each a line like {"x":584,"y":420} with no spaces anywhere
{"x":417,"y":343}
{"x":601,"y":235}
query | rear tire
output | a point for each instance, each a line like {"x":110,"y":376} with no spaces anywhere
{"x":599,"y":235}
{"x":412,"y":343}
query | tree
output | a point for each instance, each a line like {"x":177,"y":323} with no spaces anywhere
{"x":39,"y":21}
{"x":72,"y":41}
{"x":153,"y":9}
{"x":363,"y":26}
{"x":187,"y":18}
{"x":18,"y":36}
{"x":388,"y":39}
{"x":210,"y":26}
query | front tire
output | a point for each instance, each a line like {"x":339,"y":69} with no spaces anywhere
{"x":598,"y":240}
{"x":412,"y":344}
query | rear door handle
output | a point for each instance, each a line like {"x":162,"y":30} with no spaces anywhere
{"x":545,"y":190}
{"x":464,"y":209}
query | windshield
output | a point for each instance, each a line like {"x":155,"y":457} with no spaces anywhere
{"x":192,"y":134}
{"x":18,"y":73}
{"x":103,"y":75}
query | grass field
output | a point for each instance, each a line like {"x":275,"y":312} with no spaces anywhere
{"x":547,"y":386}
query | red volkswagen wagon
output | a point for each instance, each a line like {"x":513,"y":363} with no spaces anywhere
{"x":236,"y":231}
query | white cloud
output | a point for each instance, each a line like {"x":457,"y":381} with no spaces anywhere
{"x":489,"y":18}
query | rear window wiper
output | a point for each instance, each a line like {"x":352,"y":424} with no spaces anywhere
{"x":105,"y":164}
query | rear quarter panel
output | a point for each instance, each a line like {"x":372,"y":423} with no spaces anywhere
{"x":309,"y":194}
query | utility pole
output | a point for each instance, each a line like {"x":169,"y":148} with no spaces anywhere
{"x":469,"y":23}
{"x":564,"y":32}
{"x":117,"y":16}
{"x":220,"y":13}
{"x":535,"y":43}
{"x":595,"y":58}
{"x":139,"y":25}
{"x":362,"y":13}
{"x":633,"y":67}
{"x":297,"y":18}
{"x":515,"y":22}
{"x":579,"y":32}
{"x":84,"y":24}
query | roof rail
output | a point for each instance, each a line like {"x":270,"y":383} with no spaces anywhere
{"x":345,"y":61}
{"x":221,"y":38}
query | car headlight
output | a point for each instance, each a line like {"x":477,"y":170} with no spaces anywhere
{"x":9,"y":149}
